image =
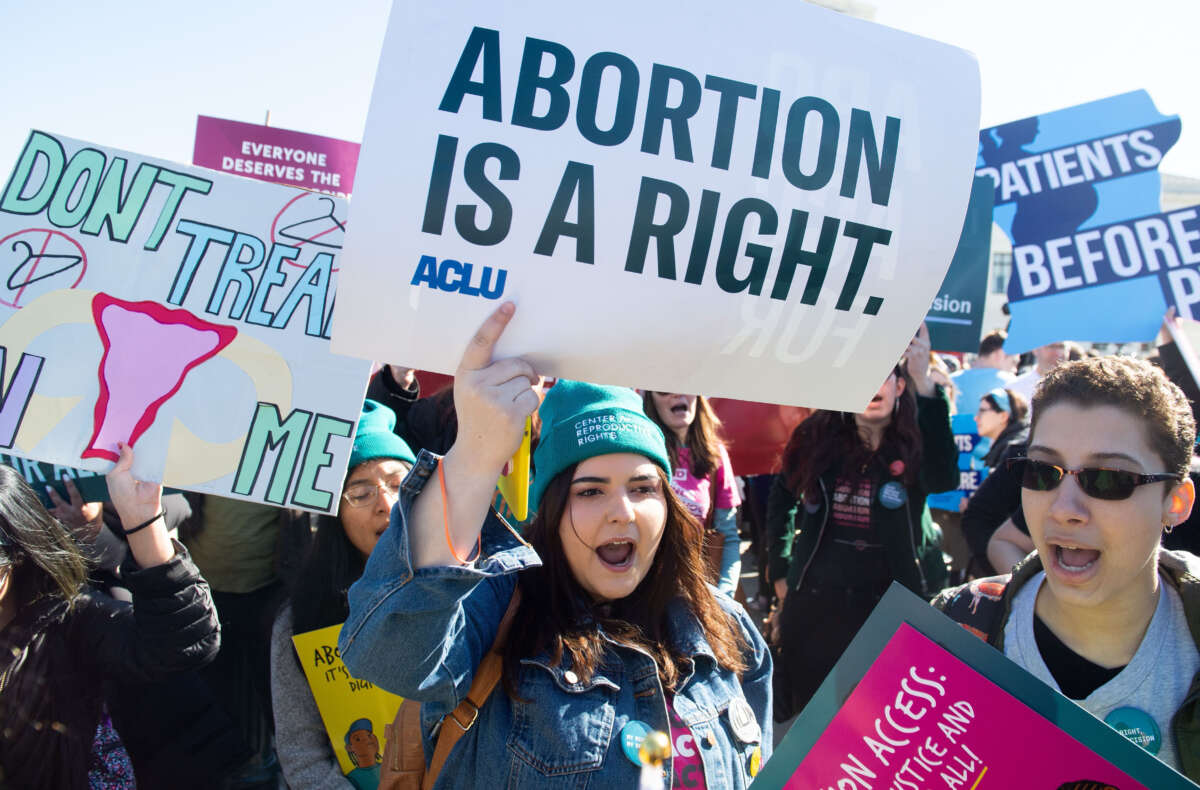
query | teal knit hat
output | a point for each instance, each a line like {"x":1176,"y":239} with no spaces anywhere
{"x":374,"y":437}
{"x":581,"y":420}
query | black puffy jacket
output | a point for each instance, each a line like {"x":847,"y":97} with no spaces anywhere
{"x":57,"y":663}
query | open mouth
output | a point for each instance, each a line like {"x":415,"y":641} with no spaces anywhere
{"x":679,"y":408}
{"x":1075,"y":560}
{"x":617,"y":555}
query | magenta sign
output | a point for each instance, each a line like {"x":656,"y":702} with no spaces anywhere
{"x":921,"y":718}
{"x":281,"y":156}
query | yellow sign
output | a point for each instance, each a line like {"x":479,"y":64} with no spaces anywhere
{"x":355,"y":712}
{"x":514,"y":486}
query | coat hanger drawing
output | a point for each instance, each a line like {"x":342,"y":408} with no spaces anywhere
{"x":318,"y":231}
{"x":74,"y":260}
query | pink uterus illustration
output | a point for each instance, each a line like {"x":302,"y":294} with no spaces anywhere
{"x":148,"y":351}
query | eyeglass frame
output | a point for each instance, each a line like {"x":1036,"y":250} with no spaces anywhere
{"x":374,"y":494}
{"x":1017,"y":467}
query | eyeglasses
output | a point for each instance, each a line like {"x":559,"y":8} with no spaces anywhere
{"x":985,"y":407}
{"x":1096,"y":482}
{"x":363,"y":494}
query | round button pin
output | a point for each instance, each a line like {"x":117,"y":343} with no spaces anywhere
{"x":1138,"y":726}
{"x":632,"y":735}
{"x":892,"y":495}
{"x":743,"y":723}
{"x":570,"y":677}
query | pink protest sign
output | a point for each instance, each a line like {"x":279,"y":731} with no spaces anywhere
{"x":282,"y":156}
{"x":921,"y":718}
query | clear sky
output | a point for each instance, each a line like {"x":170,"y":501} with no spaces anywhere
{"x":135,"y":74}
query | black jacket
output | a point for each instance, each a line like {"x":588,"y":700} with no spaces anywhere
{"x":997,"y":498}
{"x":58,"y":663}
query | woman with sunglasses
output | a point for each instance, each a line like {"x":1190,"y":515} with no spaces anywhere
{"x":1100,"y":611}
{"x":702,"y":476}
{"x":847,"y":516}
{"x":1001,"y":418}
{"x":379,"y":460}
{"x":614,"y":630}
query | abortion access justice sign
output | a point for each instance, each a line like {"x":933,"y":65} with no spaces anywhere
{"x":755,"y":205}
{"x":917,"y":702}
{"x":182,"y":311}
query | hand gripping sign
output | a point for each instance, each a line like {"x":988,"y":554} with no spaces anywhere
{"x":148,"y":303}
{"x":756,"y":204}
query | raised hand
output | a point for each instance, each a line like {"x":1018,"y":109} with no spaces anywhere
{"x":916,"y":358}
{"x":139,"y":504}
{"x":492,"y":398}
{"x":135,"y":500}
{"x":73,"y":511}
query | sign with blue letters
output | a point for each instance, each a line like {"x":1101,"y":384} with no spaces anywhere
{"x":971,"y":450}
{"x":1077,"y":193}
{"x":756,"y":206}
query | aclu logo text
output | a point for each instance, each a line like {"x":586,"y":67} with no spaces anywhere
{"x":458,"y":277}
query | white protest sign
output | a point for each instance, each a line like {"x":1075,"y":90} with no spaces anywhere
{"x":182,"y":311}
{"x":756,"y":202}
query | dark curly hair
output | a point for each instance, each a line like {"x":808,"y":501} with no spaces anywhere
{"x":1134,"y":386}
{"x":830,"y":439}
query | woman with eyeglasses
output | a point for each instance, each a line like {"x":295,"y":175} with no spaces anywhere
{"x":379,"y":462}
{"x":1001,"y":418}
{"x":1100,"y":611}
{"x":847,"y":516}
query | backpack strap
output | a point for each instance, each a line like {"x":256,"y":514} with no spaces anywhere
{"x":456,"y":723}
{"x":978,"y":606}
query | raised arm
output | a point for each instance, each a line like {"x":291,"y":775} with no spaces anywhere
{"x":421,"y":620}
{"x":139,"y":504}
{"x":492,"y":400}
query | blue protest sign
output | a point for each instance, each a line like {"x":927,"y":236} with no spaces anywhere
{"x":955,"y":320}
{"x":971,"y":449}
{"x":1077,"y":193}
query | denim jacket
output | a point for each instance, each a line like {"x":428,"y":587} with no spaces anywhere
{"x":422,"y":633}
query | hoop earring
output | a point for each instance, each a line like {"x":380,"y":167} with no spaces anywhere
{"x":1168,"y":527}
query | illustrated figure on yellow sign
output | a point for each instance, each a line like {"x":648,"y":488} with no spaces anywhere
{"x":363,"y":748}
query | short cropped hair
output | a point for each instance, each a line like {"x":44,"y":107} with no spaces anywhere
{"x":1135,"y":386}
{"x":992,"y":341}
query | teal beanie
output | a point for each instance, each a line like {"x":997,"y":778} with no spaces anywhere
{"x":581,"y":420}
{"x":374,"y":437}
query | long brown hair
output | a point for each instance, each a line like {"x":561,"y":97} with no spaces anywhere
{"x":704,"y":439}
{"x":42,"y":555}
{"x":830,"y":440}
{"x":556,"y":616}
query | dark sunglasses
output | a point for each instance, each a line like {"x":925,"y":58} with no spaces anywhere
{"x":1096,"y":482}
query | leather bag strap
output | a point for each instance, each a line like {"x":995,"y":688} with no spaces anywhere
{"x":456,"y":724}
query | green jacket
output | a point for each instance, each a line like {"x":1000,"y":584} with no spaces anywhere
{"x":982,"y":607}
{"x":912,"y":541}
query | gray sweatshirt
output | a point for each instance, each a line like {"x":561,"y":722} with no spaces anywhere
{"x":301,"y":742}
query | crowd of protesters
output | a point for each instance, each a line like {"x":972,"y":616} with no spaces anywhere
{"x":147,"y":641}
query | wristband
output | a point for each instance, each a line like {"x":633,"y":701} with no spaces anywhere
{"x":144,"y":524}
{"x":446,"y":522}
